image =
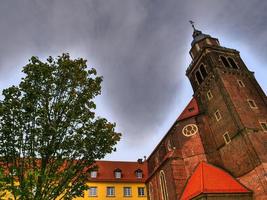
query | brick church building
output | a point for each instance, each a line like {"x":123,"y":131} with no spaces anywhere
{"x":217,"y":147}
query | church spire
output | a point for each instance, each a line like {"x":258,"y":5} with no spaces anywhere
{"x":197,"y":34}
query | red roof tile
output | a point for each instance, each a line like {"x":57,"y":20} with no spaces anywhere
{"x":106,"y":171}
{"x":210,"y":179}
{"x":190,"y":110}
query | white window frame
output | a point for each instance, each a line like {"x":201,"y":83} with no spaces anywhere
{"x":219,"y":116}
{"x":93,"y":174}
{"x":262,"y":126}
{"x":241,"y":83}
{"x":226,"y":137}
{"x":250,"y":102}
{"x":110,"y":191}
{"x":127,"y":191}
{"x":141,"y":191}
{"x":139,"y":174}
{"x":117,"y":174}
{"x":92,"y":191}
{"x":209,"y":95}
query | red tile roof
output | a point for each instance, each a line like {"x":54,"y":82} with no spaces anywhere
{"x":190,"y":110}
{"x":106,"y":171}
{"x":210,"y":179}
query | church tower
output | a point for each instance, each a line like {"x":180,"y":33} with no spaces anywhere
{"x":233,"y":111}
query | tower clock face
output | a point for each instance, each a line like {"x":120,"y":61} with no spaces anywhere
{"x":189,"y":130}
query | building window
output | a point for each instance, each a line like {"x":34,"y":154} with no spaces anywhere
{"x":199,"y":77}
{"x":139,"y":173}
{"x":264,"y":126}
{"x":127,"y":191}
{"x":203,"y":71}
{"x":225,"y":62}
{"x":209,"y":95}
{"x":117,"y":173}
{"x":217,"y":115}
{"x":92,"y":191}
{"x":226,"y":138}
{"x":110,"y":191}
{"x":232,"y":62}
{"x":163,"y":185}
{"x":141,"y":191}
{"x":240,"y":83}
{"x":252,"y":104}
{"x":93,"y":174}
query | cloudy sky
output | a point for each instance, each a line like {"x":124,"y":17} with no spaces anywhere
{"x":139,"y":46}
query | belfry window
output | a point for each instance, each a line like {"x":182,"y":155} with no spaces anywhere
{"x":163,"y":185}
{"x":203,"y":71}
{"x":225,"y":62}
{"x":232,"y":62}
{"x":199,"y":77}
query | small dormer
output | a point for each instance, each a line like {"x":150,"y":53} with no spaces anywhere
{"x":117,"y":173}
{"x":139,"y":173}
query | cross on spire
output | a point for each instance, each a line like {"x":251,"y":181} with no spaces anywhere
{"x":192,"y":23}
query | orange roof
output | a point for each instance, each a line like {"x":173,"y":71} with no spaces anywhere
{"x":106,"y":170}
{"x":210,"y":179}
{"x":190,"y":110}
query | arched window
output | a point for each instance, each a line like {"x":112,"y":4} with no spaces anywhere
{"x":203,"y":71}
{"x":150,"y":187}
{"x":163,"y":185}
{"x":232,"y":62}
{"x":199,"y":77}
{"x":225,"y":62}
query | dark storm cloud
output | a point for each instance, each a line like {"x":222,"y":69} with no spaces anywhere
{"x":140,"y":47}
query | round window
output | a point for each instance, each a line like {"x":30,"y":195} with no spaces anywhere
{"x":189,"y":130}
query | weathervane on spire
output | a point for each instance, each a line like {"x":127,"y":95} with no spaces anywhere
{"x":192,"y":23}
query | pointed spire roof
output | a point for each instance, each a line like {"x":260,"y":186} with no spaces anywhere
{"x":197,"y":34}
{"x":190,"y":110}
{"x":210,"y":179}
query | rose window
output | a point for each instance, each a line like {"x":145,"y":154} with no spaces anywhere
{"x":189,"y":130}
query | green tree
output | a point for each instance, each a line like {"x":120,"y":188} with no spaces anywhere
{"x":49,"y":133}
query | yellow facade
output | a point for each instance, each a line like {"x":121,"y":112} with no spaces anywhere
{"x":119,"y":191}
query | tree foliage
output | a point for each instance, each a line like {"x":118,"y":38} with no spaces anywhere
{"x":49,"y":133}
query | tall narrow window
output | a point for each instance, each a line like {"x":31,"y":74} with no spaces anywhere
{"x":225,"y":62}
{"x":199,"y":77}
{"x":163,"y":185}
{"x":203,"y":71}
{"x":232,"y":62}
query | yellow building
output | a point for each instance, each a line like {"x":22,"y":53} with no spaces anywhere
{"x":117,"y":180}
